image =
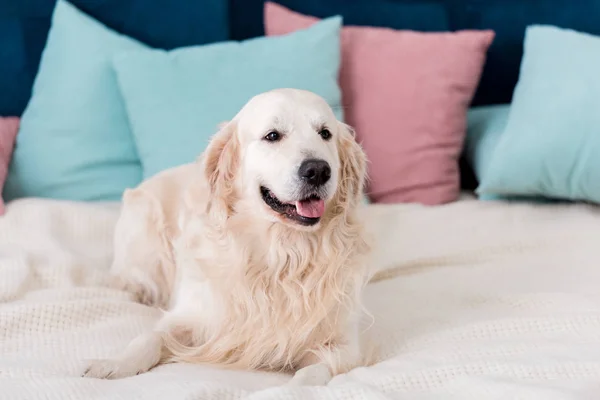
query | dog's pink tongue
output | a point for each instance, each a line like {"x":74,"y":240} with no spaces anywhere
{"x":310,"y":208}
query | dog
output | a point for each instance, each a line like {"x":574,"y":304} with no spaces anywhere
{"x":256,"y":251}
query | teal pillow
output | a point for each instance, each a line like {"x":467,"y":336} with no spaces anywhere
{"x":551,"y":145}
{"x":485,"y":126}
{"x":74,"y":141}
{"x":175,"y":99}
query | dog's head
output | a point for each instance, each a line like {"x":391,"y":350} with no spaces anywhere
{"x":285,"y":157}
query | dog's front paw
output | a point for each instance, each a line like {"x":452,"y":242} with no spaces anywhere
{"x":312,"y":375}
{"x":110,"y":369}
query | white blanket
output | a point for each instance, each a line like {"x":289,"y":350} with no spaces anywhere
{"x":475,"y":301}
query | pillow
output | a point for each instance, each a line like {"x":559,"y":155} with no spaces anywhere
{"x":485,"y":125}
{"x":165,"y":24}
{"x":74,"y":142}
{"x":9,"y":127}
{"x":551,"y":144}
{"x":407,"y":95}
{"x":176,"y":99}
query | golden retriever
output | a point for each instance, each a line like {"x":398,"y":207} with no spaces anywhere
{"x":255,"y":252}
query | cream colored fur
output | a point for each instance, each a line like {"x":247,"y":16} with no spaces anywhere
{"x":241,"y":286}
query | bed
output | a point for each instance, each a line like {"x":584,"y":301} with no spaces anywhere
{"x":471,"y":300}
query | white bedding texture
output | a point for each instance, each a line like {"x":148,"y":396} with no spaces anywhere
{"x":472,"y":300}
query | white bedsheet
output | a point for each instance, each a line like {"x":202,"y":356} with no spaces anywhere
{"x":475,"y":301}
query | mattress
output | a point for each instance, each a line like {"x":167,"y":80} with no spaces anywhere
{"x":471,"y":300}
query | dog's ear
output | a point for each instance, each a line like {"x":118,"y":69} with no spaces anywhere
{"x":221,"y":163}
{"x":353,"y":168}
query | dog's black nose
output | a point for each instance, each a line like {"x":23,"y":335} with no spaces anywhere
{"x":314,"y":172}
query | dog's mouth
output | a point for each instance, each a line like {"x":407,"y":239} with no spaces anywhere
{"x":307,"y":211}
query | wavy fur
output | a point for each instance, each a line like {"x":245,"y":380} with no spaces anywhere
{"x":252,"y":292}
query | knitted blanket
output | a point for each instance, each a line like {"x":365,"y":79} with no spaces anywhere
{"x":472,"y":300}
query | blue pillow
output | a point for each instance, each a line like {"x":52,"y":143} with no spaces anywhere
{"x":551,"y":145}
{"x":74,"y":141}
{"x":485,"y":125}
{"x":164,"y":24}
{"x":176,"y":99}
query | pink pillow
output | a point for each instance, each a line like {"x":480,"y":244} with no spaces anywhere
{"x":8,"y":132}
{"x":406,"y":93}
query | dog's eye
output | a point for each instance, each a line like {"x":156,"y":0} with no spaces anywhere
{"x":273,"y":136}
{"x":325,"y":134}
